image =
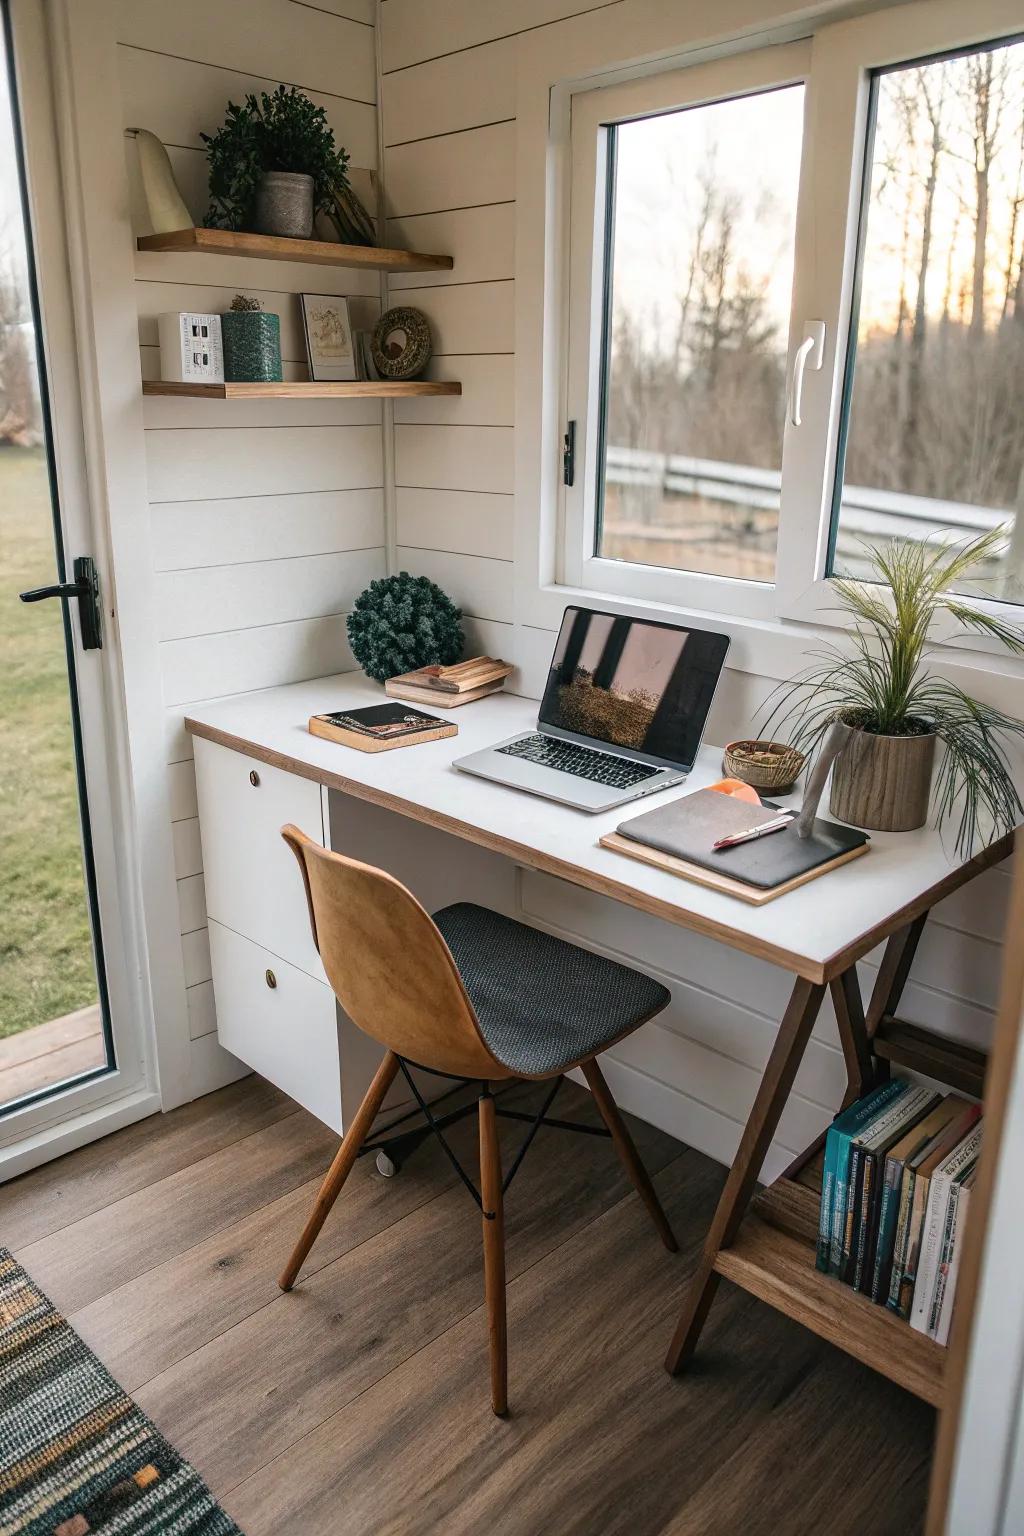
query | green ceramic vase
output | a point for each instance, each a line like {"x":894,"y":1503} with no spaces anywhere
{"x":252,"y":347}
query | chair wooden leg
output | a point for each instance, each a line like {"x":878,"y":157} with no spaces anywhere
{"x":639,"y":1177}
{"x":494,"y":1253}
{"x":341,"y":1167}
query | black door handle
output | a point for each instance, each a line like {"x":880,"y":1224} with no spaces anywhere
{"x":64,"y":589}
{"x":86,"y":588}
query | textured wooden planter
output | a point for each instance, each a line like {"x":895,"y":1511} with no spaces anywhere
{"x":883,"y":783}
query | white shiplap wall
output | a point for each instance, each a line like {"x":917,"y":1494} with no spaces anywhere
{"x":448,"y":103}
{"x":267,"y":517}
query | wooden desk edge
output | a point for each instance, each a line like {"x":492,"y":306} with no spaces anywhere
{"x":984,"y":859}
{"x":819,"y":972}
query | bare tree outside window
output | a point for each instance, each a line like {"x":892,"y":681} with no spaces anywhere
{"x":700,"y":284}
{"x":935,"y":427}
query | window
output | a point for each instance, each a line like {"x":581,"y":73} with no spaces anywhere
{"x":796,"y":315}
{"x":933,"y":442}
{"x":702,"y":209}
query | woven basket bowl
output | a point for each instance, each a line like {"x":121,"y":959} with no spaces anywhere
{"x":777,"y":776}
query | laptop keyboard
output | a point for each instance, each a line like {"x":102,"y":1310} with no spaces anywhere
{"x":567,"y":757}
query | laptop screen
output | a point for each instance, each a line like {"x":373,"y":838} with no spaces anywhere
{"x":633,"y":683}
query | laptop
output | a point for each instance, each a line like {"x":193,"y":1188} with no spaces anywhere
{"x":622,"y":716}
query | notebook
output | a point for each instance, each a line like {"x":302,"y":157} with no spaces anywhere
{"x":685,"y":829}
{"x":380,"y":727}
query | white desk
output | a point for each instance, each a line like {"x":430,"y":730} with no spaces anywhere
{"x":814,"y":932}
{"x":257,"y":767}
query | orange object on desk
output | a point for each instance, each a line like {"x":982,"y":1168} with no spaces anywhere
{"x":738,"y":790}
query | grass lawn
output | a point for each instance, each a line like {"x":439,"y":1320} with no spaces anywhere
{"x":46,"y":965}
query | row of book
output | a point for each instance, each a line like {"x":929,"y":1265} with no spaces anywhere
{"x":896,"y":1184}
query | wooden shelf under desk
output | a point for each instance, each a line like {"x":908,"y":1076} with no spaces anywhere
{"x":921,"y":1050}
{"x":774,"y":1258}
{"x":382,"y":389}
{"x":773,"y":1254}
{"x":777,"y":1267}
{"x":323,"y":253}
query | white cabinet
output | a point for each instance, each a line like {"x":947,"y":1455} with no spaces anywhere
{"x":279,"y":1021}
{"x":253,"y":883}
{"x":291,"y":1029}
{"x":275,"y":1010}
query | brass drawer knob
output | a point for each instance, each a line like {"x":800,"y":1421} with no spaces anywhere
{"x":271,"y":979}
{"x":254,"y":778}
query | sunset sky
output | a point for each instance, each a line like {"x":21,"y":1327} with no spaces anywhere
{"x":754,"y":146}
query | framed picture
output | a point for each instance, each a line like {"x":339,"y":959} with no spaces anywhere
{"x":329,"y":344}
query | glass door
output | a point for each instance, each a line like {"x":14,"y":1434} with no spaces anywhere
{"x":55,"y":1027}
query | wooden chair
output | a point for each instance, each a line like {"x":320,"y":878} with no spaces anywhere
{"x":470,"y":994}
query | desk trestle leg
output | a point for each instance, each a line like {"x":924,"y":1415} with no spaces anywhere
{"x":790,"y":1043}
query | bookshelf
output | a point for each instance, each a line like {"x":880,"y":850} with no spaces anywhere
{"x":323,"y":253}
{"x":773,"y":1257}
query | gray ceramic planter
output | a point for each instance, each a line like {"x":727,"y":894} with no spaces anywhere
{"x":284,"y":205}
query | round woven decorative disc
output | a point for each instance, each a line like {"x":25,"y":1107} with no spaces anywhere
{"x":401,"y":344}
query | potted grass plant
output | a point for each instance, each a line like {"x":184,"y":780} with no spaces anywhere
{"x":903,"y":714}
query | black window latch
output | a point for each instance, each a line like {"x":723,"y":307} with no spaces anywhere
{"x":569,"y":453}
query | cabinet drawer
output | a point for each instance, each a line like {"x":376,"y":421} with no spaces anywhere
{"x":284,"y":1026}
{"x":253,"y":883}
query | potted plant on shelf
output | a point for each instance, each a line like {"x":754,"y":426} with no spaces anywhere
{"x":252,"y":343}
{"x":274,"y":166}
{"x":902,"y":712}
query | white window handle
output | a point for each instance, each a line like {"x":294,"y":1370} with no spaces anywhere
{"x":809,"y":354}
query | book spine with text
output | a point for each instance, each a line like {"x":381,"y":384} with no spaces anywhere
{"x":945,"y":1254}
{"x":958,"y":1161}
{"x":888,"y":1215}
{"x":899,"y":1249}
{"x":847,"y":1126}
{"x":945,"y":1318}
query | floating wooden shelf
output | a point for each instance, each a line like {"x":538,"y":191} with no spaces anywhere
{"x":324,"y":253}
{"x":382,"y":389}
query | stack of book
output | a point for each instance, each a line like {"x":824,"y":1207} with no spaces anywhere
{"x":448,"y":687}
{"x":896,"y":1185}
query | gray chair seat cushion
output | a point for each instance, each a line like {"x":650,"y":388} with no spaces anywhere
{"x":542,"y":1003}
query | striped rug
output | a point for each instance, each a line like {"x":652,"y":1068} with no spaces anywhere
{"x":77,"y":1458}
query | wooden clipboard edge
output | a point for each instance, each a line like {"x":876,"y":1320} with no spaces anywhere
{"x":753,"y":895}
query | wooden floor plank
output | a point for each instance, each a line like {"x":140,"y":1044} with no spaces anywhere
{"x":232,"y":1274}
{"x":871,"y":1480}
{"x":76,"y":1058}
{"x":360,"y":1402}
{"x":600,"y":1439}
{"x":233,"y":1405}
{"x":63,"y":1191}
{"x":42,"y":1039}
{"x":108,"y":1248}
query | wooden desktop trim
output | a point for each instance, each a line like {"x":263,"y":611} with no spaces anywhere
{"x":815,"y":971}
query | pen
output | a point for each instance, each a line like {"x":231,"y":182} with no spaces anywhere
{"x":776,"y":825}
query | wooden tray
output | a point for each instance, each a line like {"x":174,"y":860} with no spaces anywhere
{"x":754,"y":895}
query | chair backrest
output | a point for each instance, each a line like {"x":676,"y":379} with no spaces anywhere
{"x":389,"y":967}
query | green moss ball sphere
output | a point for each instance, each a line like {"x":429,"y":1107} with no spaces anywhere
{"x":403,"y":622}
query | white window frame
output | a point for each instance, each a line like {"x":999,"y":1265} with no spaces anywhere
{"x":835,"y":66}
